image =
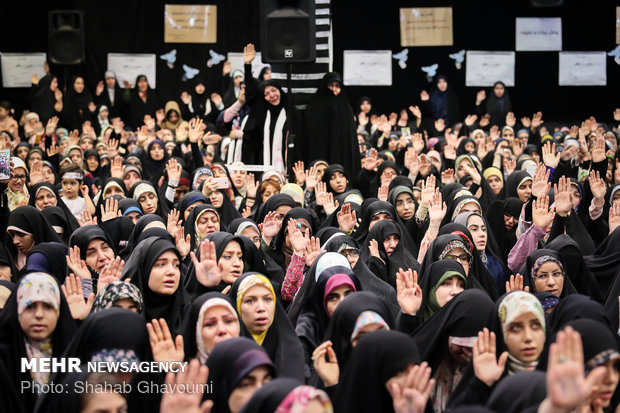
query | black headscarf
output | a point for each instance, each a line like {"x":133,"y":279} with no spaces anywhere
{"x":574,"y":307}
{"x":330,"y":171}
{"x":139,"y":233}
{"x":162,"y":208}
{"x":281,"y":254}
{"x":604,"y":263}
{"x":189,"y":225}
{"x":513,"y":181}
{"x":280,"y":342}
{"x":272,"y":204}
{"x":330,"y":129}
{"x":188,"y":199}
{"x":526,"y":271}
{"x":343,"y":321}
{"x":498,"y":107}
{"x":229,"y":363}
{"x":532,"y":391}
{"x":400,"y":257}
{"x":50,"y":258}
{"x":378,"y":357}
{"x":44,"y":99}
{"x":430,"y":280}
{"x":69,"y":217}
{"x":227,"y":210}
{"x":312,"y":322}
{"x":75,"y":105}
{"x":84,"y":235}
{"x":268,"y":398}
{"x":505,"y":239}
{"x":138,"y":268}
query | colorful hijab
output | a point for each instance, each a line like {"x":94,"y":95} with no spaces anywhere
{"x":248,"y":282}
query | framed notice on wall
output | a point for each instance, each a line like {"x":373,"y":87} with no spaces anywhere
{"x":583,"y":69}
{"x":367,"y":67}
{"x":426,"y":26}
{"x":485,"y":68}
{"x":18,"y":68}
{"x":128,"y":66}
{"x":184,"y":23}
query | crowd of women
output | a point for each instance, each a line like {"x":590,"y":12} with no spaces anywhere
{"x":409,"y":262}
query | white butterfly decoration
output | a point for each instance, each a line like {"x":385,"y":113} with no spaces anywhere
{"x":431,"y":71}
{"x":402,"y":58}
{"x":616,"y":54}
{"x":190,"y":72}
{"x":458,"y":58}
{"x":215,"y":58}
{"x":170,"y":58}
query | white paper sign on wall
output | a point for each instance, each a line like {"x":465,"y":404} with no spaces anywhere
{"x":367,"y":67}
{"x":18,"y":68}
{"x":583,"y":69}
{"x":536,"y":34}
{"x":485,"y":68}
{"x":127,"y":66}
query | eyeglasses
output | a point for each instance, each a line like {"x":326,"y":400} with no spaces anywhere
{"x":18,"y":177}
{"x":353,"y":253}
{"x":463,"y":258}
{"x":543,"y":275}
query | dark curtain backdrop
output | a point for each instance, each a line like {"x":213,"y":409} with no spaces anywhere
{"x":136,"y":26}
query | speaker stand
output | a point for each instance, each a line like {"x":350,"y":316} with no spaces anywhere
{"x":290,"y":150}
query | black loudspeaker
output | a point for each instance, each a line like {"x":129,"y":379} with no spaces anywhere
{"x":546,"y":3}
{"x":288,"y":31}
{"x":66,"y":37}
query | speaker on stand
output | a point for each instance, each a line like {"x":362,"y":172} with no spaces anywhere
{"x":66,"y":39}
{"x":288,"y":35}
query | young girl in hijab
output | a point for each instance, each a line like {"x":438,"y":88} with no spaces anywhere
{"x":119,"y":294}
{"x":151,"y":201}
{"x":211,"y":320}
{"x":35,"y":323}
{"x":264,"y":317}
{"x":237,"y":370}
{"x":154,"y":266}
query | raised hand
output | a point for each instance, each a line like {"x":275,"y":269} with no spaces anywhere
{"x":550,"y":158}
{"x":567,"y":385}
{"x":598,"y":151}
{"x":537,"y":120}
{"x":77,"y":264}
{"x":299,"y":241}
{"x":382,"y":193}
{"x":271,"y":226}
{"x":251,"y":186}
{"x":473,"y":172}
{"x":412,"y":162}
{"x":163,"y":347}
{"x":143,"y":135}
{"x":249,"y":53}
{"x":187,"y":401}
{"x":542,"y":217}
{"x":447,"y":177}
{"x":408,"y":291}
{"x":425,"y":165}
{"x":173,"y":222}
{"x":494,"y":133}
{"x":437,"y":209}
{"x":117,"y":168}
{"x":428,"y":190}
{"x":36,"y":173}
{"x":328,"y":369}
{"x":424,"y":96}
{"x":540,"y":181}
{"x":598,"y":188}
{"x":563,"y":196}
{"x":480,"y":97}
{"x":186,"y":98}
{"x":72,"y":289}
{"x":516,"y":284}
{"x":110,"y":273}
{"x":313,"y":249}
{"x":485,"y":120}
{"x":183,"y":243}
{"x":362,"y":119}
{"x":371,"y":161}
{"x":373,"y":247}
{"x":614,"y":216}
{"x":511,"y":120}
{"x":487,"y":367}
{"x":216,"y":98}
{"x":195,"y":130}
{"x":300,"y":173}
{"x":208,"y":272}
{"x":312,"y":177}
{"x":517,"y":147}
{"x":526,"y":121}
{"x":347,"y":219}
{"x":51,"y":151}
{"x":415,"y":111}
{"x":86,"y":219}
{"x":413,"y":396}
{"x":510,"y":165}
{"x":470,"y":120}
{"x":174,"y":170}
{"x":110,"y":211}
{"x":321,"y":193}
{"x":330,"y":205}
{"x":51,"y":125}
{"x":440,"y":125}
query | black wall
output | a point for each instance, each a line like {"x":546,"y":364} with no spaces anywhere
{"x":136,"y":26}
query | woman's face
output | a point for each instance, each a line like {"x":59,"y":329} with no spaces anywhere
{"x":238,"y":178}
{"x":23,"y":242}
{"x":338,"y":182}
{"x":148,"y":202}
{"x":470,"y":207}
{"x":134,"y":216}
{"x":45,"y":198}
{"x":368,"y":328}
{"x":54,"y":84}
{"x":127,"y":304}
{"x":510,"y":221}
{"x":272,"y":95}
{"x":365,"y":106}
{"x":246,"y":388}
{"x":165,"y":274}
{"x":524,"y":191}
{"x":231,"y":262}
{"x":550,"y":278}
{"x":335,"y":87}
{"x":336,"y":296}
{"x":34,"y":156}
{"x":208,"y":223}
{"x":390,"y":244}
{"x":130,"y":178}
{"x":470,"y":147}
{"x":461,"y":172}
{"x":252,"y":233}
{"x":113,"y":190}
{"x":268,"y":191}
{"x":461,"y":256}
{"x":17,"y":181}
{"x":48,"y":175}
{"x":606,"y":385}
{"x":78,"y":85}
{"x":217,"y":199}
{"x":525,"y":338}
{"x":105,"y":402}
{"x":508,"y":134}
{"x":219,"y":324}
{"x":267,"y":74}
{"x":379,"y":217}
{"x":173,"y":116}
{"x":86,"y":144}
{"x":442,"y":85}
{"x":98,"y":255}
{"x":156,"y":152}
{"x":76,"y":156}
{"x":38,"y":321}
{"x":405,"y":206}
{"x":258,"y":307}
{"x":495,"y":183}
{"x":92,"y":162}
{"x":143,"y":84}
{"x":449,"y":289}
{"x":22,"y":152}
{"x":499,"y":90}
{"x":387,"y":175}
{"x":478,"y":230}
